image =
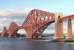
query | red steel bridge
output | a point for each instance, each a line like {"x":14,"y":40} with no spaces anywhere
{"x":37,"y":21}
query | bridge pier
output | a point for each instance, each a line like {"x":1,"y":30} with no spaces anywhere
{"x":58,"y":27}
{"x":29,"y":31}
{"x":69,"y":34}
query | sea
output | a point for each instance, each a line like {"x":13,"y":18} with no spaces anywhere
{"x":29,"y":44}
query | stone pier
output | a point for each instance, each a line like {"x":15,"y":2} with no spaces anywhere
{"x":58,"y":27}
{"x":69,"y":34}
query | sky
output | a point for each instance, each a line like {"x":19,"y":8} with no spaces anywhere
{"x":23,"y":6}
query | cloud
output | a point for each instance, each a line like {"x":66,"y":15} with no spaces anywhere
{"x":1,"y":26}
{"x":4,"y":12}
{"x":7,"y":11}
{"x":21,"y":31}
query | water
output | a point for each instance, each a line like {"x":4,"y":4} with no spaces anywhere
{"x":24,"y":44}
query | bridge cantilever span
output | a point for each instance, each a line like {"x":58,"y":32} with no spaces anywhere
{"x":37,"y":21}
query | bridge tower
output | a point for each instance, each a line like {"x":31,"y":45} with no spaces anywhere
{"x":58,"y":27}
{"x":4,"y":32}
{"x":69,"y":34}
{"x":12,"y":29}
